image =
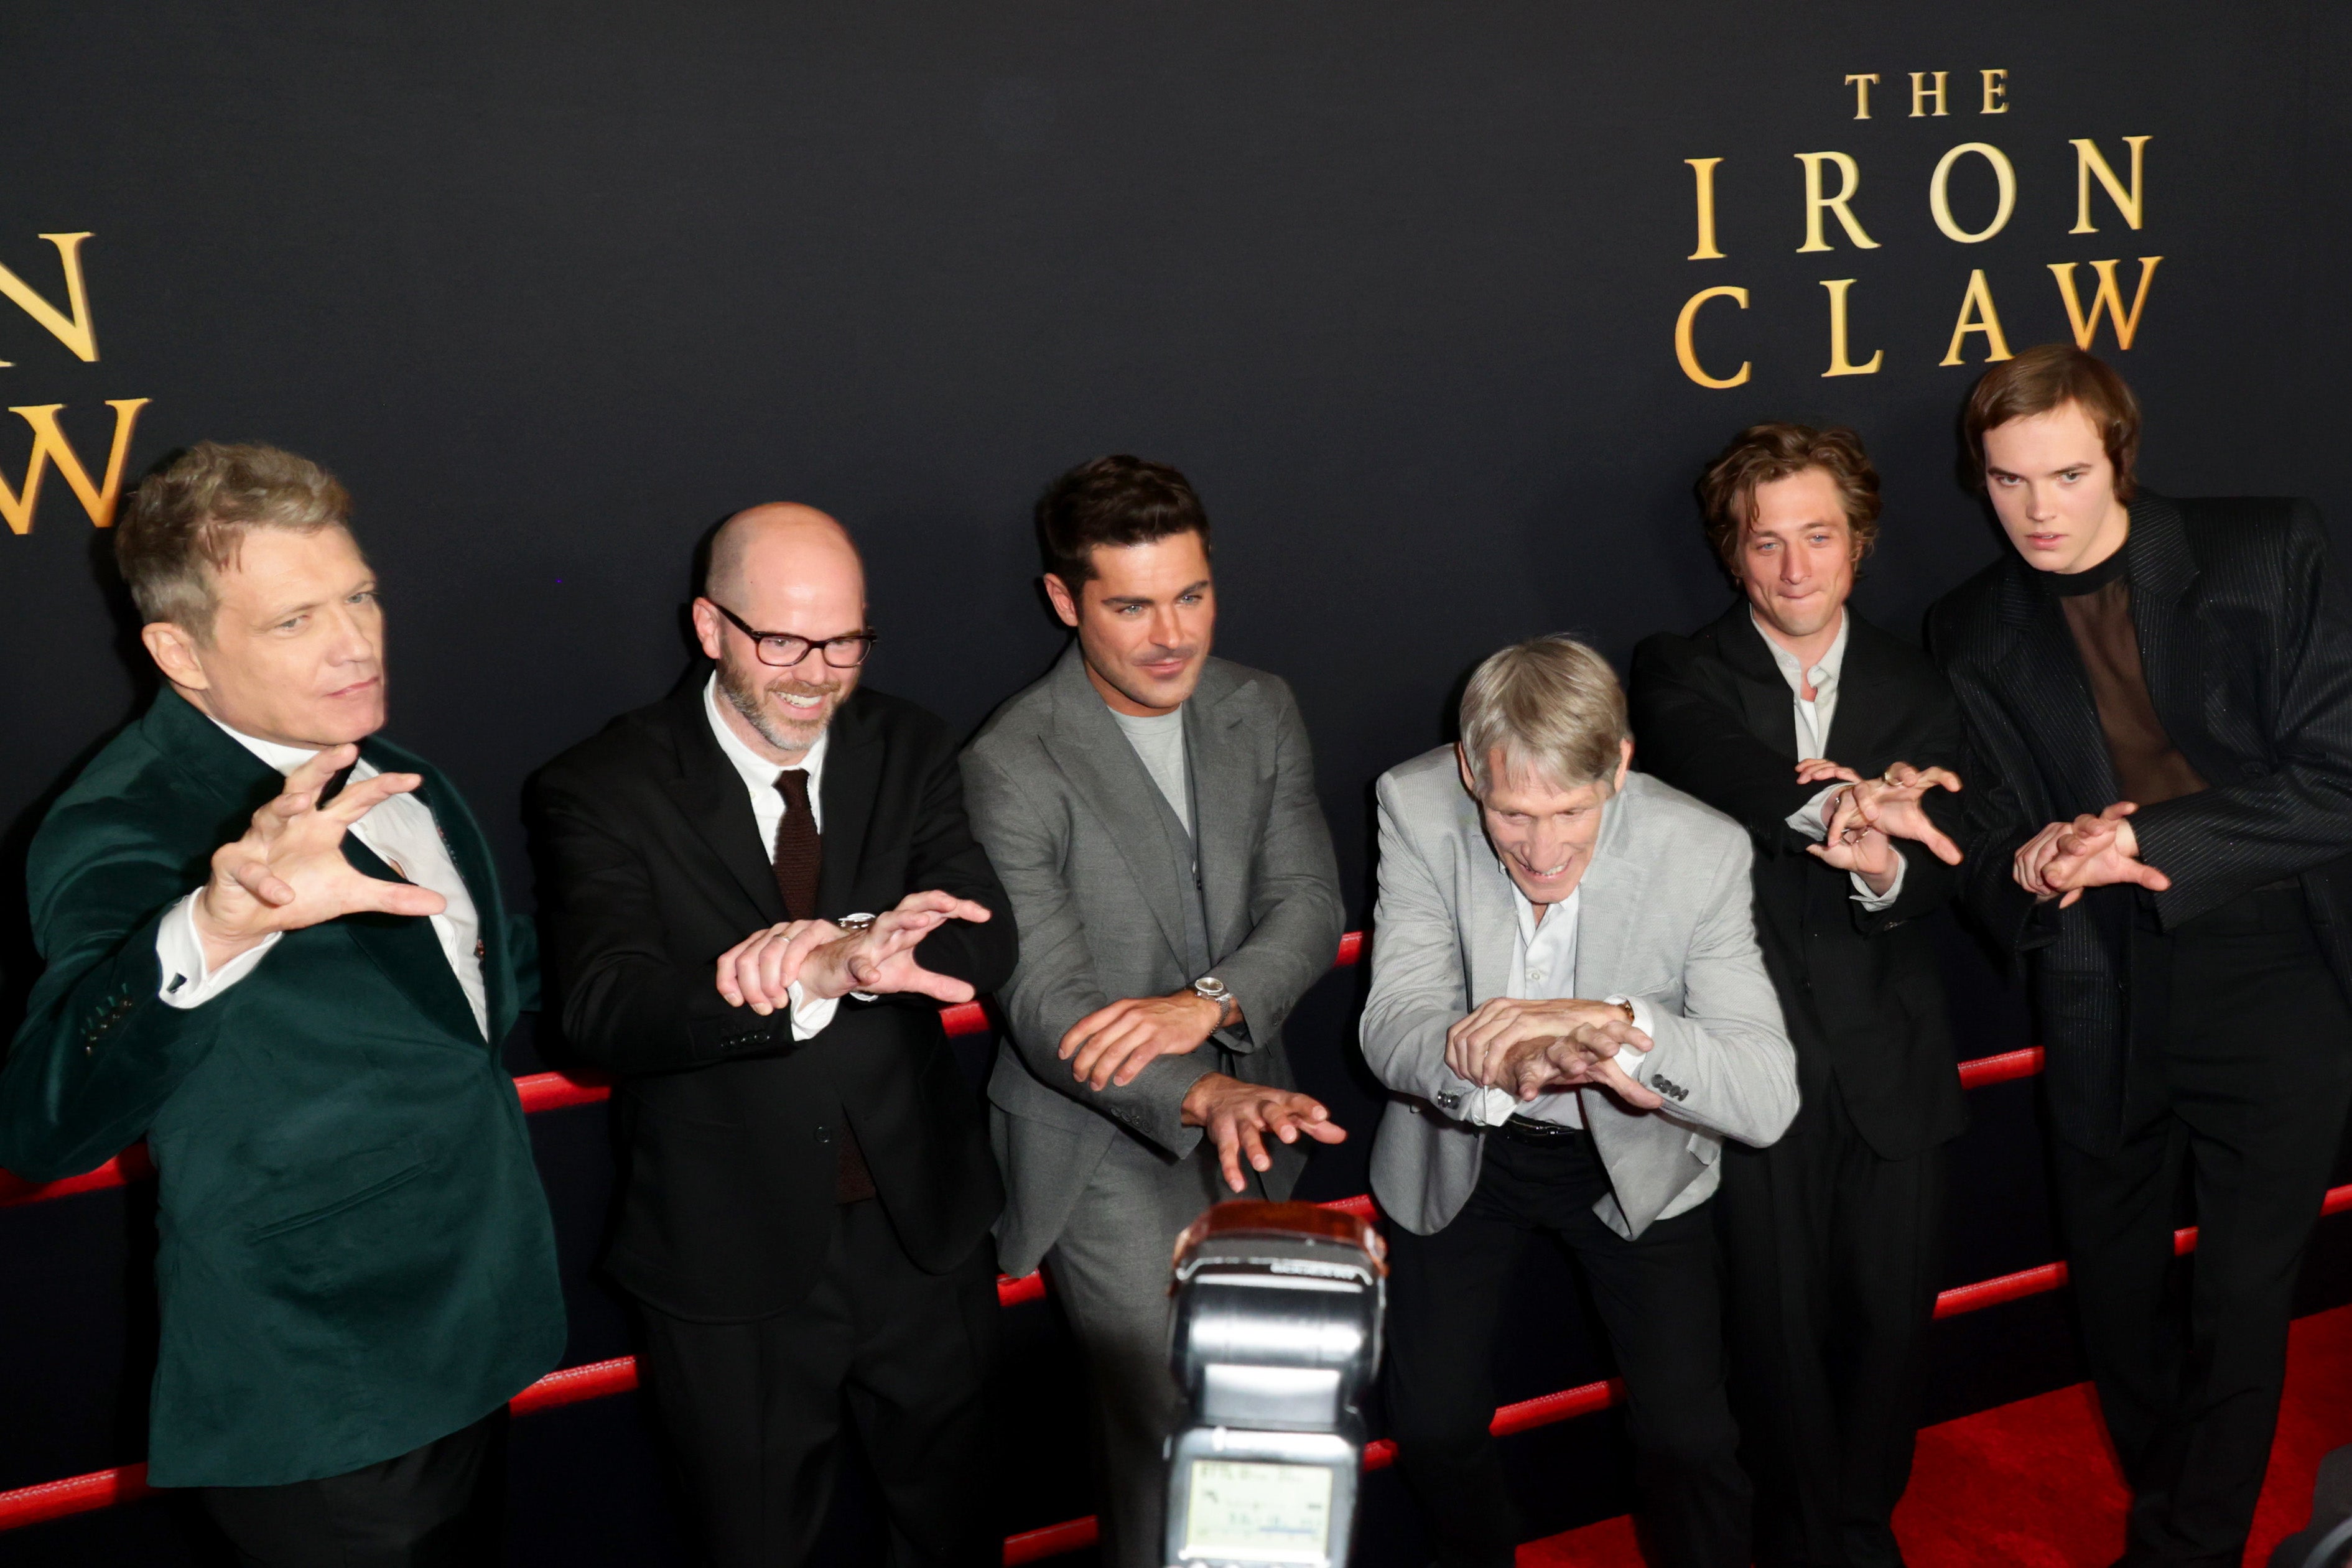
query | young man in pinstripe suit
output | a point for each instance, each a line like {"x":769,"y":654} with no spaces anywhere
{"x":2158,"y":696}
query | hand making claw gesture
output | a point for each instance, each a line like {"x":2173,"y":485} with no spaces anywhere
{"x":289,"y":872}
{"x":2064,"y":858}
{"x":1585,"y":1055}
{"x":1890,"y":803}
{"x":831,"y":960}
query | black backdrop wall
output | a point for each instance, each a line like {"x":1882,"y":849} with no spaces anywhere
{"x":553,"y":287}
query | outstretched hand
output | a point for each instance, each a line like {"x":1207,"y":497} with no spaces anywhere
{"x":2064,"y":858}
{"x":1238,"y":1116}
{"x":1890,"y":803}
{"x":1585,"y":1055}
{"x":759,"y":971}
{"x":288,"y":870}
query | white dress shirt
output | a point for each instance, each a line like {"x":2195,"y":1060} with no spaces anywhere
{"x":1813,"y":719}
{"x":810,"y":1015}
{"x":401,"y":833}
{"x":1543,"y":967}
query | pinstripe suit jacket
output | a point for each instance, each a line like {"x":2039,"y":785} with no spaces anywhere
{"x":2248,"y":654}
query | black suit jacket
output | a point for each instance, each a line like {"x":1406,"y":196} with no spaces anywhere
{"x":2248,"y":657}
{"x":727,"y":1126}
{"x":1861,"y":991}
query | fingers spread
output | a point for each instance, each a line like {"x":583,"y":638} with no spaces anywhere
{"x":358,"y":799}
{"x":402,"y":898}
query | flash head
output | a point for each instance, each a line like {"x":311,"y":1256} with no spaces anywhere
{"x":1275,"y":1337}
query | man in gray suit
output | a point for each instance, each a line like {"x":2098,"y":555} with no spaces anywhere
{"x":1152,"y":814}
{"x":1571,"y":1012}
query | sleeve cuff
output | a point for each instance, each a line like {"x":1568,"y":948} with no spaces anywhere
{"x":810,"y":1014}
{"x":180,"y":953}
{"x":1807,"y":818}
{"x":1630,"y":1057}
{"x":1872,"y":903}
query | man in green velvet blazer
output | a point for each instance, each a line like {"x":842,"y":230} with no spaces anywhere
{"x":276,"y":950}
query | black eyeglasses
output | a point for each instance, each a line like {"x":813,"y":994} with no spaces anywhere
{"x":785,"y":649}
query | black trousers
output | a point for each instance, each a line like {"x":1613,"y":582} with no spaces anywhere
{"x":2240,"y":1077}
{"x":753,"y":1412}
{"x":1660,"y":1301}
{"x":440,"y":1505}
{"x":1832,"y":1256}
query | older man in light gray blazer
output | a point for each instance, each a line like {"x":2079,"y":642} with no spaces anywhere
{"x":1571,"y":1012}
{"x":1152,"y":813}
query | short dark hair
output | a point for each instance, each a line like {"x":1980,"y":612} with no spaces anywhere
{"x":1779,"y":450}
{"x":181,"y":527}
{"x":2048,"y":376}
{"x":1114,"y":500}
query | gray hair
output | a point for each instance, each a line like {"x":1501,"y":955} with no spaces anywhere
{"x":1552,"y":707}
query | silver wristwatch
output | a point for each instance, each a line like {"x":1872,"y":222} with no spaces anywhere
{"x":854,"y":923}
{"x":1213,"y":989}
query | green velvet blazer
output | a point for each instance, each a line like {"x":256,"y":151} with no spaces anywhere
{"x":356,"y":1257}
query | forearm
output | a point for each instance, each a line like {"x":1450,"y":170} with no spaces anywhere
{"x":1727,"y":1076}
{"x":99,"y":1052}
{"x":1287,"y":953}
{"x":1042,"y":1008}
{"x":2222,"y":843}
{"x":1404,"y":1045}
{"x":637,"y":1014}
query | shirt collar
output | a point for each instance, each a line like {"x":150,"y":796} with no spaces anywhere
{"x":283,"y":757}
{"x":1824,"y":675}
{"x":758,"y":773}
{"x":1563,"y":913}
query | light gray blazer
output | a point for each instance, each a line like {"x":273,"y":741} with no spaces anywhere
{"x":1665,"y":917}
{"x":1071,"y":820}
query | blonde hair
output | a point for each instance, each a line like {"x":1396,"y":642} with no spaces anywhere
{"x":1552,"y":707}
{"x":184,"y":524}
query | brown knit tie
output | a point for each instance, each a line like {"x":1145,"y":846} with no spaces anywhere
{"x":800,"y":856}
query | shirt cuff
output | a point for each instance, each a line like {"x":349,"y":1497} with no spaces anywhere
{"x":810,"y":1014}
{"x":1489,"y":1107}
{"x":180,"y":954}
{"x":1811,"y":817}
{"x":1629,"y":1057}
{"x":1872,"y":903}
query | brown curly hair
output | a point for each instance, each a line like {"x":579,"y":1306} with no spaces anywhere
{"x":1764,"y":453}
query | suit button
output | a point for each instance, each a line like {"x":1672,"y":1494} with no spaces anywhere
{"x":481,"y":950}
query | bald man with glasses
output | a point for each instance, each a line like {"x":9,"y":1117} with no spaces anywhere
{"x":758,"y":892}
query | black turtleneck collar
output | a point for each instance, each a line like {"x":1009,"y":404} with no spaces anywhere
{"x":2067,"y":585}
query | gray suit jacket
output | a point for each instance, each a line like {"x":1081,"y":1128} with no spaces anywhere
{"x":1074,"y":825}
{"x":1666,"y":917}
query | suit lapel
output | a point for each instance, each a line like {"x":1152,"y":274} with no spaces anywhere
{"x":1104,"y":771}
{"x":1765,"y":705}
{"x":2042,"y":665}
{"x":1870,"y":701}
{"x":406,"y":947}
{"x":1490,"y":921}
{"x":853,"y":771}
{"x":708,"y":792}
{"x":1224,"y":783}
{"x":2162,"y":572}
{"x":1611,"y":889}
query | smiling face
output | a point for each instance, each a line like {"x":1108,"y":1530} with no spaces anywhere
{"x":1544,"y":834}
{"x":781,"y":567}
{"x":1145,"y":620}
{"x":2053,"y":488}
{"x":295,"y":652}
{"x":1797,"y":557}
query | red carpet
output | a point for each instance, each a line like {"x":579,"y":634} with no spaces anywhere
{"x":2042,"y":1470}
